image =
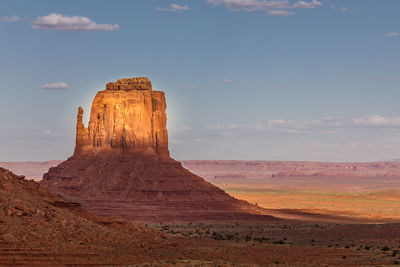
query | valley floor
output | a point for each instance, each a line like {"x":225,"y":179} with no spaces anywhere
{"x":197,"y":244}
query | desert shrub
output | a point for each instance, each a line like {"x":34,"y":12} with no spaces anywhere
{"x":217,"y":236}
{"x":229,"y":236}
{"x":247,"y":238}
{"x":344,"y":257}
{"x":385,"y":248}
{"x":367,"y":247}
{"x":395,"y":252}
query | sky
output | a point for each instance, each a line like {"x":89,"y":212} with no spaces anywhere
{"x":244,"y":79}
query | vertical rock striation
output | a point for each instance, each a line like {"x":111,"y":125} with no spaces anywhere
{"x":121,"y":164}
{"x":128,"y":116}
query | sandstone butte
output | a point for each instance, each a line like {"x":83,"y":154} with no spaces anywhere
{"x":121,"y":164}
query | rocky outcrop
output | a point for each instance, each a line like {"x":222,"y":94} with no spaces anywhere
{"x":128,"y":116}
{"x":121,"y":164}
{"x":40,"y":228}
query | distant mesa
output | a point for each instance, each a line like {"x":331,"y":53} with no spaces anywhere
{"x":121,"y":164}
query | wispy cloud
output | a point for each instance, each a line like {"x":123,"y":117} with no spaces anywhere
{"x":378,"y":121}
{"x":273,"y":7}
{"x":226,"y":81}
{"x":392,"y":34}
{"x":55,"y":86}
{"x":55,"y":21}
{"x":45,"y":132}
{"x":280,"y":13}
{"x":326,"y":125}
{"x":346,"y":9}
{"x":173,"y":8}
{"x":304,"y":4}
{"x":13,"y":18}
{"x":251,"y":5}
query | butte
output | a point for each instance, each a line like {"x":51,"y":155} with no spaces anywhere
{"x":121,"y":164}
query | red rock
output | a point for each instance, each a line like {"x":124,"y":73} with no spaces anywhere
{"x":131,"y":118}
{"x":121,"y":164}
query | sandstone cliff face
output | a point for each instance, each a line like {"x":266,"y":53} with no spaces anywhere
{"x":127,"y":116}
{"x":121,"y":164}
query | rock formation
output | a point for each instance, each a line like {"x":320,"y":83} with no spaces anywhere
{"x":127,"y":116}
{"x":40,"y":228}
{"x":273,"y":169}
{"x":121,"y":164}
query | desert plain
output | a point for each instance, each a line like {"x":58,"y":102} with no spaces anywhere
{"x":344,"y":220}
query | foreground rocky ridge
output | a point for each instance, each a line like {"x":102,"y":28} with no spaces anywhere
{"x":38,"y":227}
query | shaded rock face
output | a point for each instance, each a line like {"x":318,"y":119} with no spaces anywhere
{"x":40,"y":228}
{"x":121,"y":164}
{"x":128,"y":116}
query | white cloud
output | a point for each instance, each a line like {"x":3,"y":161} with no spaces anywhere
{"x":13,"y":18}
{"x":364,"y":138}
{"x":280,"y":13}
{"x":378,"y":121}
{"x":251,"y":5}
{"x":274,"y":7}
{"x":326,"y":125}
{"x":173,"y":8}
{"x":304,"y":4}
{"x":392,"y":34}
{"x":56,"y":21}
{"x":226,"y":81}
{"x":55,"y":86}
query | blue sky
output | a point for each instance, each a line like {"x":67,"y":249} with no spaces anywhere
{"x":244,"y":79}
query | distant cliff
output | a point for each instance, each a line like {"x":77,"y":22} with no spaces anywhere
{"x":273,"y":169}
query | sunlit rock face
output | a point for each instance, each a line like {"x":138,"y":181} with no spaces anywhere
{"x":121,"y":164}
{"x":127,"y":116}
